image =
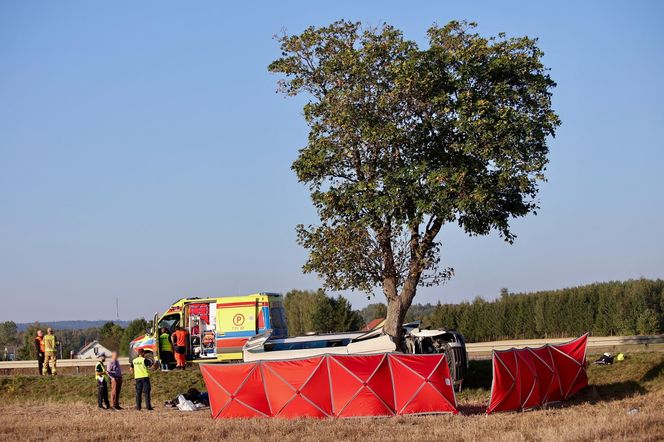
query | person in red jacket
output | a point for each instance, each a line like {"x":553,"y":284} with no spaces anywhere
{"x":179,"y":339}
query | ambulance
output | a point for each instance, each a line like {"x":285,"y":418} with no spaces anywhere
{"x":217,"y":328}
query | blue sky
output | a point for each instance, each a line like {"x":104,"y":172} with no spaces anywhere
{"x":145,"y":155}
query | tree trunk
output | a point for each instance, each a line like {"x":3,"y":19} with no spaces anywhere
{"x":397,"y":307}
{"x":399,"y":303}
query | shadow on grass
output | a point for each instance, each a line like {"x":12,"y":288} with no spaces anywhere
{"x":479,"y":375}
{"x":470,"y":410}
{"x":593,"y":394}
{"x":654,"y":372}
{"x":609,"y":392}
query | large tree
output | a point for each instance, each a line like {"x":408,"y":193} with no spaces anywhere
{"x":404,"y":140}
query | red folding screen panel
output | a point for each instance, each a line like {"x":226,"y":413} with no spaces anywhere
{"x":332,"y":386}
{"x":531,"y":377}
{"x":422,"y":384}
{"x":361,"y":385}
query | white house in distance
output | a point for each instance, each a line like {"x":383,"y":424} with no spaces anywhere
{"x":92,"y":351}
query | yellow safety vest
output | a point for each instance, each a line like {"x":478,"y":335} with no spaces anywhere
{"x":165,"y":342}
{"x":49,"y":344}
{"x":140,"y":370}
{"x":103,"y":376}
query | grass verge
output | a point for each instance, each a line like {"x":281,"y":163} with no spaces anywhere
{"x":624,"y":402}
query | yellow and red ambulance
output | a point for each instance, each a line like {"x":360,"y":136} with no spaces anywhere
{"x":217,"y":328}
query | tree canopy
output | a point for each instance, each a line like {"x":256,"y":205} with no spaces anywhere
{"x":404,"y":140}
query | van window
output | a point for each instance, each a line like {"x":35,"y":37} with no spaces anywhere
{"x":169,"y":322}
{"x":278,"y":319}
{"x":304,"y":345}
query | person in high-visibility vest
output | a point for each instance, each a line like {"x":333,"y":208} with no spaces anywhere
{"x":39,"y":351}
{"x":165,"y":349}
{"x":102,"y":383}
{"x":140,"y":367}
{"x":50,"y":349}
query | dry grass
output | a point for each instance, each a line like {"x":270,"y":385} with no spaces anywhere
{"x":601,"y":421}
{"x":599,"y":413}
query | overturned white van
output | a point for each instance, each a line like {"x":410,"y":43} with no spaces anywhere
{"x":416,"y":341}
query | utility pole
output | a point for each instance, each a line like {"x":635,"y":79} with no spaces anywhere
{"x":117,"y":308}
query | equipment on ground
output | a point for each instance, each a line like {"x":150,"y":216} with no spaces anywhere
{"x":605,"y":359}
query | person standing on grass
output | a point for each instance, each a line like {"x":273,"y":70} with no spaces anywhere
{"x":140,"y":367}
{"x":114,"y":372}
{"x":165,"y":349}
{"x":40,"y":352}
{"x":50,"y":348}
{"x":102,"y":383}
{"x":179,"y":340}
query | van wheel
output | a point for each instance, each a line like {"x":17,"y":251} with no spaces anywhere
{"x":149,"y":356}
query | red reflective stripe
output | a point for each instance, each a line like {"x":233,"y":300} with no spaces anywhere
{"x":242,"y":304}
{"x":231,"y":342}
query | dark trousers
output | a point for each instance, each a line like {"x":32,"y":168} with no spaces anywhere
{"x":166,"y":359}
{"x":40,"y":362}
{"x":143,"y":388}
{"x":102,"y":394}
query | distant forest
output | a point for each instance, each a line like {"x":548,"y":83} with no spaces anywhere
{"x":608,"y":308}
{"x":604,"y":309}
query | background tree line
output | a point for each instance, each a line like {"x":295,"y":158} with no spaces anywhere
{"x":604,"y":309}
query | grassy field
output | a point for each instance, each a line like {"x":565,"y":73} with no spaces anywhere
{"x":624,"y":401}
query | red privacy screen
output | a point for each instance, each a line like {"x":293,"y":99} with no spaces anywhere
{"x":532,"y":377}
{"x":332,"y":386}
